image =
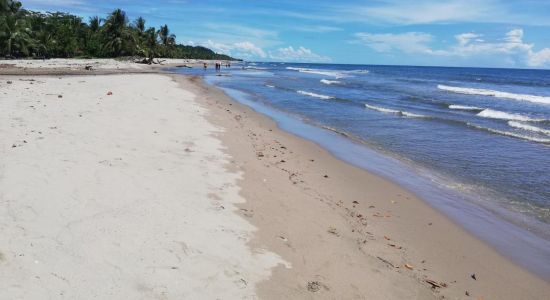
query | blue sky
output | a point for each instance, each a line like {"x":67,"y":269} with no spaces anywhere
{"x":485,"y":33}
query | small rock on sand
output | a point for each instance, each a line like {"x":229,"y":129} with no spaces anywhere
{"x":313,"y":286}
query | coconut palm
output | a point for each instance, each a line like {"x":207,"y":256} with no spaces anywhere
{"x":27,"y":33}
{"x":166,"y":38}
{"x":94,"y":23}
{"x":9,"y":7}
{"x":139,"y":24}
{"x":149,"y":46}
{"x":14,"y":35}
{"x":117,"y":36}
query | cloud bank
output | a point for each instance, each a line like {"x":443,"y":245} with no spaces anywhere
{"x":511,"y":47}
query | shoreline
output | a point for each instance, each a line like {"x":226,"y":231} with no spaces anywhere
{"x":525,"y":246}
{"x":352,"y":234}
{"x":456,"y":239}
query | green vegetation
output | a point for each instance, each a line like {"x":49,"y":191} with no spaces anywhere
{"x":25,"y":33}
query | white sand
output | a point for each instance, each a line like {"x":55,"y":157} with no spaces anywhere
{"x":118,"y":197}
{"x":96,"y":63}
{"x":73,"y":64}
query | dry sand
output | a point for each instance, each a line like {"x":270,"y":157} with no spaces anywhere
{"x":169,"y":190}
{"x":118,"y":197}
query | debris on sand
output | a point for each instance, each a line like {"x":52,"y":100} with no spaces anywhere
{"x":315,"y":286}
{"x":333,"y":231}
{"x":386,"y":262}
{"x":109,"y":93}
{"x":395,"y":246}
{"x":436,"y":284}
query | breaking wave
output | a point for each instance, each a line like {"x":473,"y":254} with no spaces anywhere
{"x":329,"y":82}
{"x":255,"y":68}
{"x":393,"y":111}
{"x":325,"y":97}
{"x":528,"y":127}
{"x":497,"y":94}
{"x":512,"y":134}
{"x":465,"y":107}
{"x":495,"y":114}
{"x":335,"y":74}
{"x":332,"y":73}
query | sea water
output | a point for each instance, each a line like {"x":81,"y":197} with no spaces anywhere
{"x":472,"y":142}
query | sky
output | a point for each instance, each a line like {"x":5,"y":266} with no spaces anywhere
{"x":480,"y":33}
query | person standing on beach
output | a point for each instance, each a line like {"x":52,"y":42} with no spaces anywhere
{"x":205,"y":66}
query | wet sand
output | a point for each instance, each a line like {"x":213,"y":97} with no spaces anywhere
{"x":169,"y":189}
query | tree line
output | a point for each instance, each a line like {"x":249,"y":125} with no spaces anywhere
{"x":25,"y":33}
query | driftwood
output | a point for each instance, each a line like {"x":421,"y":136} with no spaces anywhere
{"x":149,"y":61}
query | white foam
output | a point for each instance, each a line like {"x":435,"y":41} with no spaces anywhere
{"x":270,"y":86}
{"x":512,"y":134}
{"x":315,"y":95}
{"x":528,"y":127}
{"x":329,"y":82}
{"x":464,"y":107}
{"x":358,"y":71}
{"x":495,"y":114}
{"x":393,"y":111}
{"x":335,"y":74}
{"x":497,"y":94}
{"x":255,"y":68}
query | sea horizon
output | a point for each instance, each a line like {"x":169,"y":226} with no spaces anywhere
{"x":396,"y":65}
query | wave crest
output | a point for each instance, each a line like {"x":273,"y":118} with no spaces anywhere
{"x":495,"y":114}
{"x":393,"y":111}
{"x":332,"y":73}
{"x":511,"y":134}
{"x":324,"y":97}
{"x":528,"y":127}
{"x":465,"y":107}
{"x":329,"y":82}
{"x":497,"y":94}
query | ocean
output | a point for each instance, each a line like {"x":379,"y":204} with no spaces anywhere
{"x":472,"y":142}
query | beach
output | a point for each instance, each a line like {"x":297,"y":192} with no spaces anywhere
{"x":157,"y":186}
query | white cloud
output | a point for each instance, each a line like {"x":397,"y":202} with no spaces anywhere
{"x":409,"y":42}
{"x":511,"y":49}
{"x":422,"y":12}
{"x":540,"y":58}
{"x":409,"y":12}
{"x":464,"y":39}
{"x":244,"y":50}
{"x":316,"y":28}
{"x":299,"y":54}
{"x":249,"y":51}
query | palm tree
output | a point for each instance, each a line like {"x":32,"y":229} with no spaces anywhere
{"x":95,"y":23}
{"x":139,"y":23}
{"x":116,"y":33}
{"x":166,"y":38}
{"x":9,"y":6}
{"x":15,"y":35}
